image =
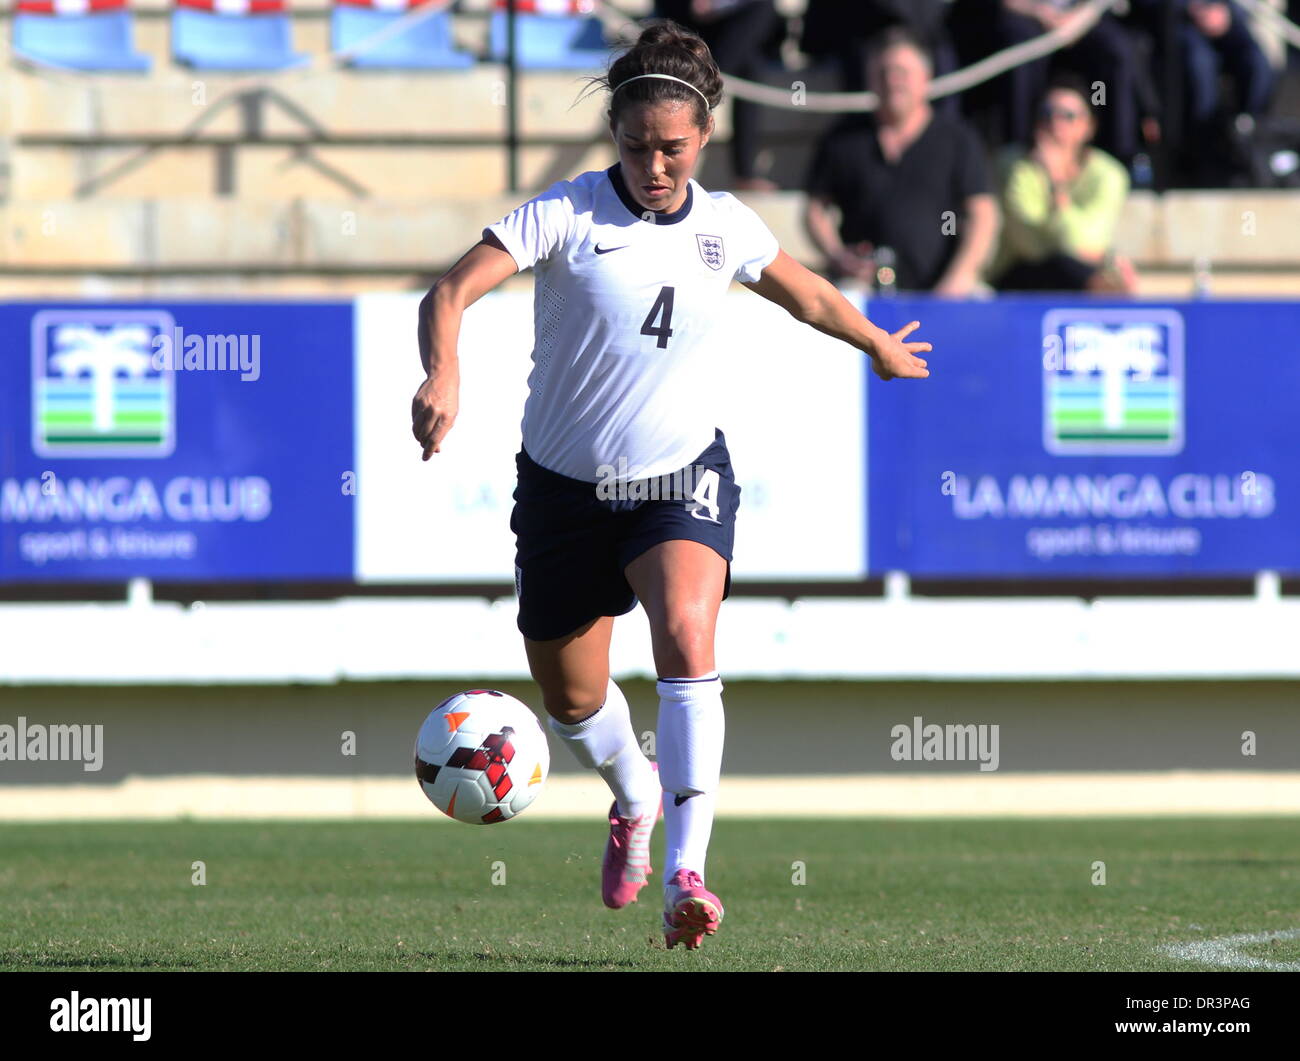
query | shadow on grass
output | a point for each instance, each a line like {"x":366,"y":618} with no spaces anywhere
{"x":1242,"y":863}
{"x":441,"y":958}
{"x":81,"y":963}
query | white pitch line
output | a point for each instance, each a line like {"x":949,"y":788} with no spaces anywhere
{"x":1224,"y":951}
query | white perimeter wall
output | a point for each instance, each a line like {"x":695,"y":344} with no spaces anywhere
{"x":385,"y":638}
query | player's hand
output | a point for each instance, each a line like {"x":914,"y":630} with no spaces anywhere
{"x":433,"y":411}
{"x":894,"y":358}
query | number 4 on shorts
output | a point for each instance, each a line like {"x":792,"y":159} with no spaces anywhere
{"x":706,"y":497}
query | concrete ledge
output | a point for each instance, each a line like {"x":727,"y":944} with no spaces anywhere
{"x":1057,"y":795}
{"x":310,"y":104}
{"x":305,"y":233}
{"x":207,"y":281}
{"x":62,"y":232}
{"x":1248,"y":227}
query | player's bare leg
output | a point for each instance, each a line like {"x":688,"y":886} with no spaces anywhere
{"x":680,"y":584}
{"x":573,"y":671}
{"x":589,"y":714}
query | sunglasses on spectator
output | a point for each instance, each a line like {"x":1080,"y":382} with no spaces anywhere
{"x":1064,"y":113}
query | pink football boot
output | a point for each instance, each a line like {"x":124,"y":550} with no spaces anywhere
{"x":691,"y":912}
{"x":627,"y":856}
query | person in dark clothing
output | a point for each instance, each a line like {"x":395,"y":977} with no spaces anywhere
{"x":1107,"y":57}
{"x":1212,"y":37}
{"x":837,"y":31}
{"x":903,"y":178}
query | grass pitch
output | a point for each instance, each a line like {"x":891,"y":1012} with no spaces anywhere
{"x":877,"y":895}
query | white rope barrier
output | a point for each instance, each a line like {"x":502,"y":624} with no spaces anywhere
{"x":1279,"y":23}
{"x":1081,"y":20}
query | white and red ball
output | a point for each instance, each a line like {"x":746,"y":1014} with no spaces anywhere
{"x":481,"y":757}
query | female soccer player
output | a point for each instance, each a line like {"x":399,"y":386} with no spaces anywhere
{"x":630,"y":266}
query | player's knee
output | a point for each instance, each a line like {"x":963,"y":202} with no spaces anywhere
{"x":684,"y":647}
{"x":569,"y":703}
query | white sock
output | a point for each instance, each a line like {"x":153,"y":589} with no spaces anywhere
{"x":604,"y":742}
{"x":691,"y":729}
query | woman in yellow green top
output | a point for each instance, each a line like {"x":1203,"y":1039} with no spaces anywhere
{"x":1061,"y":202}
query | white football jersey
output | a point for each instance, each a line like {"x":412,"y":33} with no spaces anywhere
{"x":625,"y":350}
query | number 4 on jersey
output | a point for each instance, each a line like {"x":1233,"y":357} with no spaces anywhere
{"x":664,"y":304}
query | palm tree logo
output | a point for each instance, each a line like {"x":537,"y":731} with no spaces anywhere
{"x":83,"y":349}
{"x":97,"y":393}
{"x":1119,"y":386}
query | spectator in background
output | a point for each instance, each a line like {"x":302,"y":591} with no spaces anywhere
{"x":1270,"y":42}
{"x":903,"y":178}
{"x":1061,"y":202}
{"x":1106,"y":55}
{"x":837,"y":31}
{"x":1213,"y":37}
{"x":736,"y":32}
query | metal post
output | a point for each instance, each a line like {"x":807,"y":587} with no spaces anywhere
{"x":10,"y":85}
{"x":512,"y":103}
{"x":1171,"y":131}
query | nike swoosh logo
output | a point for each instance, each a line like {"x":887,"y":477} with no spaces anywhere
{"x":608,"y":249}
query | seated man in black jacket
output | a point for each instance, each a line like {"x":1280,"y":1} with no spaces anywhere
{"x":903,"y":178}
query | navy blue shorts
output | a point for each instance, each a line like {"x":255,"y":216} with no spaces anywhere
{"x":573,"y":539}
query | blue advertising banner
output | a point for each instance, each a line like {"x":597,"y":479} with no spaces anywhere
{"x":182,"y":441}
{"x":1062,"y":437}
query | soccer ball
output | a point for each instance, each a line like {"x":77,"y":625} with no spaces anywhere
{"x":481,"y":757}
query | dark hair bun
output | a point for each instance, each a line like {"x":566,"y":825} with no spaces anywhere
{"x":665,"y":47}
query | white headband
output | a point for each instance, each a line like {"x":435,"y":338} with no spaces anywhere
{"x":667,"y":77}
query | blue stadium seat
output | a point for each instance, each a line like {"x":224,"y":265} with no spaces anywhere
{"x":427,"y":45}
{"x":556,"y":42}
{"x":233,"y":42}
{"x":84,"y":42}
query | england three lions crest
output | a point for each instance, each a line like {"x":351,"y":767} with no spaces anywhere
{"x":711,"y":250}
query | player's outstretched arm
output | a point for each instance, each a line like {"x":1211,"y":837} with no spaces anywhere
{"x":436,"y":403}
{"x":814,"y":300}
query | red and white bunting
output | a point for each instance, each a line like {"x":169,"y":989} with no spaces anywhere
{"x":524,"y":7}
{"x":236,"y":7}
{"x":550,"y":7}
{"x":67,"y":7}
{"x":385,"y":5}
